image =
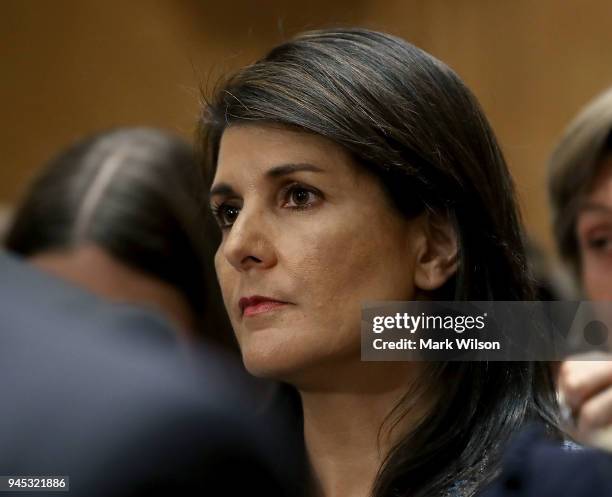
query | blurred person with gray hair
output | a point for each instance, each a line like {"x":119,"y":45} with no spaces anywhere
{"x":123,"y":214}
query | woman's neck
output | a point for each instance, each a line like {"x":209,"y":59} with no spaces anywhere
{"x":342,"y":425}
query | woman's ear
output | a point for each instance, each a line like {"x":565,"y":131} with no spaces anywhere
{"x":436,"y":257}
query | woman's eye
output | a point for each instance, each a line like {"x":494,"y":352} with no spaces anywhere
{"x":300,"y":197}
{"x":225,"y":214}
{"x":600,"y":243}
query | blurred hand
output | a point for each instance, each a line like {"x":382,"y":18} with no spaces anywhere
{"x":585,"y":387}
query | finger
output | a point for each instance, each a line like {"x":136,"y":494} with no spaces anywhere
{"x":595,"y":414}
{"x":579,"y":379}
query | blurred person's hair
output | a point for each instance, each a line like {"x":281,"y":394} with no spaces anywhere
{"x":410,"y":120}
{"x":572,"y":169}
{"x":551,"y":281}
{"x":5,"y":218}
{"x":139,"y":194}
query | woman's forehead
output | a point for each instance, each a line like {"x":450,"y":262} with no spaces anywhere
{"x":256,"y":151}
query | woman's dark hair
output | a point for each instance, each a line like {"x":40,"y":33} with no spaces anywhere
{"x":139,"y":194}
{"x":409,"y":119}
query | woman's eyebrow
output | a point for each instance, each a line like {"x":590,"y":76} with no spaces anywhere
{"x":275,"y":172}
{"x":285,"y":169}
{"x":222,"y":189}
{"x":595,"y":207}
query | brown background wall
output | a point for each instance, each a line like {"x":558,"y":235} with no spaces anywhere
{"x":72,"y":67}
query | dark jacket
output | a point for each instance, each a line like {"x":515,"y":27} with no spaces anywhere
{"x":103,"y":394}
{"x":536,"y":467}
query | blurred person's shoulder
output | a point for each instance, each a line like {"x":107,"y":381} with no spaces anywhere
{"x":107,"y":394}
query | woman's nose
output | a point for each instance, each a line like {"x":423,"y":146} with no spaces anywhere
{"x":247,"y":245}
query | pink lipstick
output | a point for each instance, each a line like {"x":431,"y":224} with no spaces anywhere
{"x":256,"y":304}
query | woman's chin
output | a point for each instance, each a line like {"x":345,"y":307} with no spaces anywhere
{"x":294,"y":369}
{"x":270,"y":366}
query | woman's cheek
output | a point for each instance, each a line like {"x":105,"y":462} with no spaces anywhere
{"x":227,"y":278}
{"x":597,"y":278}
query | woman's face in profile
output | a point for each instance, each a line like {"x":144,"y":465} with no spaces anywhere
{"x":308,"y":236}
{"x":594,"y":234}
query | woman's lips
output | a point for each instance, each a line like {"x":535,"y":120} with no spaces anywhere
{"x":252,"y":306}
{"x":261,"y":308}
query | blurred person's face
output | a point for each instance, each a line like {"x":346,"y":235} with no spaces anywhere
{"x":308,"y":236}
{"x":594,"y":233}
{"x":95,"y":270}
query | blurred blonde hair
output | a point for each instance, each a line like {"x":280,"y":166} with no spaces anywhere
{"x":572,"y":168}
